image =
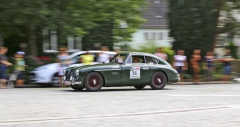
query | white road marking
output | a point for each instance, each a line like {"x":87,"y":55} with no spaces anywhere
{"x":199,"y":95}
{"x":54,"y":119}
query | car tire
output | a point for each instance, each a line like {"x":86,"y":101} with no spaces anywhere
{"x":139,"y":87}
{"x":158,"y":80}
{"x":93,"y":81}
{"x":77,"y":88}
{"x":55,"y":80}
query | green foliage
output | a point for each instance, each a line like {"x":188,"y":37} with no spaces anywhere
{"x":101,"y":34}
{"x":69,"y":18}
{"x":193,"y":24}
{"x":187,"y":76}
{"x":231,"y":46}
{"x":150,"y":47}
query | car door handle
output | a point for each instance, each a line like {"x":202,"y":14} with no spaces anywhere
{"x":145,"y":68}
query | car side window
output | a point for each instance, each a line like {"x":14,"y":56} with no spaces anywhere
{"x":138,"y":59}
{"x":151,"y":60}
{"x":161,"y":62}
{"x":129,"y":60}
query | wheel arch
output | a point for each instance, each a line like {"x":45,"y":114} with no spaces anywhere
{"x":55,"y":74}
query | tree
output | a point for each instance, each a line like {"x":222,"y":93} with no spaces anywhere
{"x":196,"y":24}
{"x":233,"y":49}
{"x":193,"y":24}
{"x":69,"y":18}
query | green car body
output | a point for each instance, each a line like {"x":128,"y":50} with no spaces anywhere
{"x":123,"y":73}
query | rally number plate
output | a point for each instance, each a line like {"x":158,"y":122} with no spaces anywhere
{"x":67,"y":83}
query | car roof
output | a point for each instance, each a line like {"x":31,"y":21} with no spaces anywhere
{"x":92,"y":51}
{"x":136,"y":53}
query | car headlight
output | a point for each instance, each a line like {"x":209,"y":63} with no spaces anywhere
{"x":64,"y":72}
{"x":76,"y":72}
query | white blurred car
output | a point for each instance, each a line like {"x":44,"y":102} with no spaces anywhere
{"x":47,"y":75}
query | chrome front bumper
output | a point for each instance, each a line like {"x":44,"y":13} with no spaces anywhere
{"x":70,"y":82}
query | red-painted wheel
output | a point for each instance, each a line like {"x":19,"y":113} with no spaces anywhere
{"x":158,"y":80}
{"x":93,"y":81}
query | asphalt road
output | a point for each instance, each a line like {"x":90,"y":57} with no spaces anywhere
{"x":209,"y":105}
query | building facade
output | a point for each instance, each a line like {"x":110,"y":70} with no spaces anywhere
{"x":155,"y":29}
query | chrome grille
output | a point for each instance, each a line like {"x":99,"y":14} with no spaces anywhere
{"x":73,"y":73}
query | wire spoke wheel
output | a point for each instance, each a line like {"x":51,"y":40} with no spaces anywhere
{"x":158,"y":80}
{"x":93,"y":81}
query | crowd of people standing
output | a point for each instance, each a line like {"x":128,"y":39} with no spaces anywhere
{"x":19,"y":67}
{"x":181,"y":64}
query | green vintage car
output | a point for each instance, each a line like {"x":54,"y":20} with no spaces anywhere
{"x":124,"y":69}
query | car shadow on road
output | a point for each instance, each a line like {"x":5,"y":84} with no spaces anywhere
{"x":116,"y":90}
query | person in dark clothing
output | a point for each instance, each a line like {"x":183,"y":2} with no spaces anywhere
{"x":209,"y":65}
{"x":3,"y":67}
{"x":227,"y":59}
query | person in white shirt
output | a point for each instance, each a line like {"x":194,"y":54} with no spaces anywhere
{"x":102,"y":57}
{"x":180,"y":63}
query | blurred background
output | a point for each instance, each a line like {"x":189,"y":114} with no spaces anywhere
{"x":40,"y":27}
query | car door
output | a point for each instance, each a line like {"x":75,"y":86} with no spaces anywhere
{"x":135,"y":73}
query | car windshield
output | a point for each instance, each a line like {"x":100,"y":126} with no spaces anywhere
{"x":119,"y":58}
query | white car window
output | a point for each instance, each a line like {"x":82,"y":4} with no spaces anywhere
{"x":76,"y":59}
{"x":151,"y":60}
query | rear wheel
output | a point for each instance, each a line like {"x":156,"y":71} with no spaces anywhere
{"x":139,"y":87}
{"x":93,"y":81}
{"x":158,"y":80}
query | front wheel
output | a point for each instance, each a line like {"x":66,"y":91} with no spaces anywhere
{"x":93,"y":81}
{"x":158,"y":80}
{"x":139,"y":87}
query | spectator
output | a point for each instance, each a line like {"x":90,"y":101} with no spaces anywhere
{"x":3,"y":67}
{"x":20,"y":68}
{"x":209,"y":65}
{"x":180,"y":64}
{"x":227,"y":66}
{"x":87,"y":59}
{"x":136,"y":60}
{"x":161,"y":54}
{"x":63,"y":61}
{"x":195,"y":61}
{"x":103,"y":57}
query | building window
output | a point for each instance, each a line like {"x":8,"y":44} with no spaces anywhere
{"x":156,"y":1}
{"x":146,"y":36}
{"x":50,"y":41}
{"x":157,"y":36}
{"x":160,"y":36}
